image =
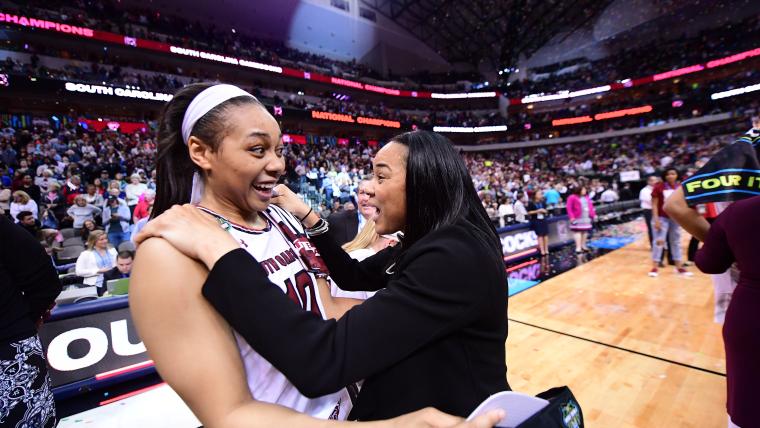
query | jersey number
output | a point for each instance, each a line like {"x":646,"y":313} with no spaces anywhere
{"x":298,"y":294}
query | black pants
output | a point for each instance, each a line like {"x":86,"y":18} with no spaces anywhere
{"x":25,"y":390}
{"x":648,"y":220}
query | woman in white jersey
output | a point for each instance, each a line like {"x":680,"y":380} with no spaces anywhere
{"x":220,"y":149}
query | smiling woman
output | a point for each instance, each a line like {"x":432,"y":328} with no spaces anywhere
{"x":433,"y":336}
{"x":221,"y":150}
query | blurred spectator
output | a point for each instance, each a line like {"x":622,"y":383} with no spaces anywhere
{"x":22,"y":202}
{"x":116,"y":220}
{"x":96,"y":260}
{"x":123,"y":267}
{"x":82,"y":211}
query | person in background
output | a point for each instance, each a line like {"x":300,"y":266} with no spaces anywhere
{"x":116,"y":217}
{"x":26,"y":220}
{"x":552,"y":197}
{"x":54,"y":201}
{"x":733,"y":238}
{"x":142,"y":210}
{"x":5,"y":202}
{"x":123,"y":267}
{"x":581,"y":212}
{"x":609,"y":196}
{"x":98,"y":259}
{"x":28,"y":287}
{"x":519,"y":208}
{"x":133,"y":191}
{"x":50,"y":251}
{"x":664,"y":228}
{"x":538,"y":224}
{"x":366,"y":244}
{"x":28,"y":186}
{"x":645,"y":201}
{"x":140,"y":224}
{"x":87,"y":227}
{"x":22,"y":202}
{"x":346,"y":223}
{"x":82,"y":211}
{"x":93,"y":197}
{"x":506,"y":211}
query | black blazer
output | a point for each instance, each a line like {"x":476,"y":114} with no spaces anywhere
{"x":344,"y":226}
{"x":111,"y":275}
{"x":434,"y":336}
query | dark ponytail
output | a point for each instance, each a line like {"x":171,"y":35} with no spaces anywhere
{"x":174,"y":168}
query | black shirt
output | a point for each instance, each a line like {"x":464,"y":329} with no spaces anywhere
{"x":533,"y":206}
{"x":433,"y":336}
{"x":28,"y":282}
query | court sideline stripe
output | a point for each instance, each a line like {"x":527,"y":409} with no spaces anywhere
{"x":620,"y":348}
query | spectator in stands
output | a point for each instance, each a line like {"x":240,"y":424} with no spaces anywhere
{"x":28,"y":186}
{"x":87,"y":227}
{"x":520,"y":211}
{"x":123,"y":267}
{"x":506,"y":211}
{"x":93,"y":197}
{"x":54,"y":201}
{"x":347,"y":223}
{"x":609,"y":196}
{"x":5,"y":202}
{"x":133,"y":191}
{"x":142,"y":210}
{"x":666,"y":231}
{"x":141,"y":223}
{"x":26,"y":220}
{"x":50,"y":251}
{"x":645,"y":199}
{"x":22,"y":202}
{"x":580,"y":210}
{"x":82,"y":211}
{"x":72,"y":188}
{"x":28,"y":288}
{"x":96,"y":260}
{"x":552,"y":196}
{"x":116,"y":217}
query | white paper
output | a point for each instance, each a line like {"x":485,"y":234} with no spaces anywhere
{"x":519,"y":407}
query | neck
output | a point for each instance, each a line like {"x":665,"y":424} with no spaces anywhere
{"x":231,"y":212}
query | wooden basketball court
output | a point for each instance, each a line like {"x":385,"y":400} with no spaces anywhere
{"x":636,"y":351}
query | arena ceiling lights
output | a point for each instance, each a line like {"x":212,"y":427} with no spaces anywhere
{"x":469,"y":130}
{"x":602,"y":116}
{"x":76,"y":31}
{"x":734,"y":92}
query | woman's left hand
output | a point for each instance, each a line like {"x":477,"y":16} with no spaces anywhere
{"x":289,"y":201}
{"x":192,"y":232}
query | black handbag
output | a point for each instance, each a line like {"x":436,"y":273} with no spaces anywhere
{"x":563,"y":411}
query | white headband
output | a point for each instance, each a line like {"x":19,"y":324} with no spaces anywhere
{"x":205,"y":102}
{"x":199,"y":106}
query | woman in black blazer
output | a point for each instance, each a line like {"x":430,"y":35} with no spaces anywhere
{"x":432,"y":336}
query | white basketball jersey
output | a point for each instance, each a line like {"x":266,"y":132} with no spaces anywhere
{"x":284,"y":251}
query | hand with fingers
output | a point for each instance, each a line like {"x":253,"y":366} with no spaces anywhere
{"x":192,"y":232}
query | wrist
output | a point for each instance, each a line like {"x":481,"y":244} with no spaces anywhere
{"x":310,"y":220}
{"x":212,"y":252}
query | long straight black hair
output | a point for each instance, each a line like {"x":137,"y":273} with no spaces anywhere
{"x":174,"y":168}
{"x":439,"y":190}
